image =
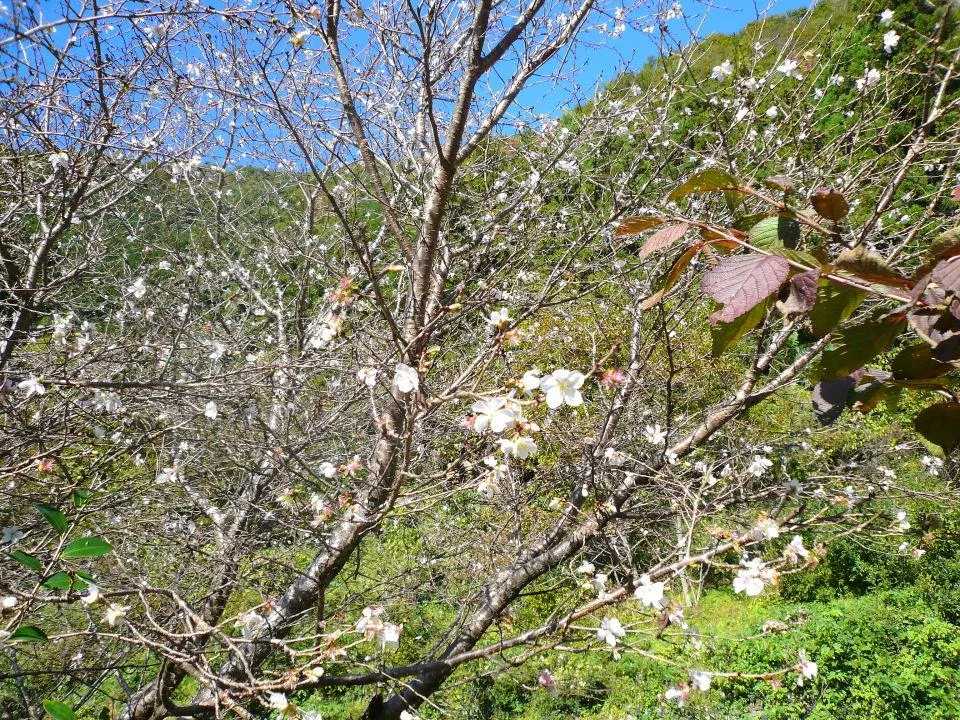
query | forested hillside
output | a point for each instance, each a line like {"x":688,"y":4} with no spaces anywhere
{"x":336,"y":384}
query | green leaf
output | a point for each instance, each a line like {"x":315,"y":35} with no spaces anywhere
{"x":775,"y":232}
{"x":940,"y":424}
{"x":797,"y":256}
{"x":871,"y":267}
{"x":57,"y":520}
{"x":81,"y":497}
{"x":58,"y":710}
{"x":835,"y":303}
{"x":26,"y":560}
{"x":86,"y":548}
{"x":59,"y":581}
{"x":856,"y":346}
{"x":706,"y":181}
{"x":28,"y":633}
{"x":726,"y":334}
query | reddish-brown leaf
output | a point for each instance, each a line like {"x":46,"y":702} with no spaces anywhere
{"x":662,"y":238}
{"x":801,"y":293}
{"x":946,"y":274}
{"x":637,"y":224}
{"x":829,"y":203}
{"x":742,"y":281}
{"x":672,"y":276}
{"x":956,"y":193}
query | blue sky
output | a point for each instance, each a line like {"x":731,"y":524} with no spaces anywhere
{"x":591,"y":69}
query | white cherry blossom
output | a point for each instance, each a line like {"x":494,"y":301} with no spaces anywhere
{"x":520,"y":447}
{"x":789,"y":68}
{"x":115,"y":613}
{"x":496,"y":414}
{"x":655,"y":435}
{"x":406,"y":378}
{"x":649,"y":593}
{"x":610,"y":631}
{"x":808,"y":669}
{"x":562,"y":386}
{"x":531,"y":380}
{"x":722,"y":71}
{"x":890,"y":40}
{"x":795,"y":551}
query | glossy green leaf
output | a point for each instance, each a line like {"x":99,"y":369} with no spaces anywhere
{"x":28,"y":633}
{"x":27,"y":560}
{"x":58,"y":710}
{"x":56,"y":519}
{"x":59,"y":581}
{"x":86,"y":548}
{"x":773,"y":232}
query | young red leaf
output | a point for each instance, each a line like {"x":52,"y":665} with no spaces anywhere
{"x":663,"y":238}
{"x":946,"y":274}
{"x":637,"y":224}
{"x":830,"y":398}
{"x":916,"y":363}
{"x":742,"y":281}
{"x":672,"y":276}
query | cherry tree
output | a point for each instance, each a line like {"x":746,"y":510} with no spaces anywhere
{"x":288,"y":287}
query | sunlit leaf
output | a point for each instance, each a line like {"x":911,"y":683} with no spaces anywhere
{"x":869,"y":266}
{"x":706,"y":181}
{"x":58,"y":710}
{"x":86,"y":548}
{"x":780,"y":231}
{"x":829,"y":203}
{"x":663,"y":238}
{"x":740,"y":282}
{"x":637,"y":224}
